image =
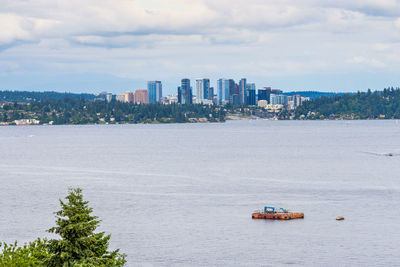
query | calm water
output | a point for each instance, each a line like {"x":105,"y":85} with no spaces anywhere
{"x":182,"y":195}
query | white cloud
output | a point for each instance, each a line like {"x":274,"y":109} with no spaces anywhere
{"x":137,"y":38}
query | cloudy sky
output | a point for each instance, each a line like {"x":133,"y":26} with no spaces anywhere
{"x":116,"y":45}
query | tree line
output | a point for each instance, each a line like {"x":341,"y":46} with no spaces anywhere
{"x":83,"y":111}
{"x":27,"y":96}
{"x":361,"y":105}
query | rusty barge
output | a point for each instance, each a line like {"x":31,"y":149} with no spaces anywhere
{"x":272,"y":213}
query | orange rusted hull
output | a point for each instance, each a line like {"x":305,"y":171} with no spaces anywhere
{"x":278,"y":216}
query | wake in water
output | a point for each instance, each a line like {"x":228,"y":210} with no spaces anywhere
{"x":381,"y":154}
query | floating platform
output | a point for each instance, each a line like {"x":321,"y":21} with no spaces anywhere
{"x":271,"y":213}
{"x":278,"y":215}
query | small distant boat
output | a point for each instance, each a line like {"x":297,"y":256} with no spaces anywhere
{"x":272,"y":213}
{"x":340,"y":218}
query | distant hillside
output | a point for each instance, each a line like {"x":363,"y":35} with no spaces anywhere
{"x":312,"y":94}
{"x":367,"y":105}
{"x":25,"y":96}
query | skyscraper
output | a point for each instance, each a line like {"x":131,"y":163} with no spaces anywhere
{"x":202,"y":89}
{"x":226,"y":91}
{"x":251,"y":97}
{"x":242,"y":91}
{"x":154,"y":89}
{"x":186,"y":92}
{"x":220,"y":90}
{"x":211,"y":93}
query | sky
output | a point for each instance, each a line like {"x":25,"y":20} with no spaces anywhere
{"x":117,"y":45}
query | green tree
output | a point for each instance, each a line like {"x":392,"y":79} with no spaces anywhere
{"x":79,"y":244}
{"x":31,"y":254}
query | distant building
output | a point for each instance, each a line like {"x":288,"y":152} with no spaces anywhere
{"x":120,"y":98}
{"x":262,"y":103}
{"x":274,"y":108}
{"x":179,"y":95}
{"x":265,"y":93}
{"x":108,"y":97}
{"x":172,"y":99}
{"x":129,"y":97}
{"x":297,"y":100}
{"x":211,"y":93}
{"x":185,"y":92}
{"x":202,"y":89}
{"x":276,"y":91}
{"x":243,"y":91}
{"x":27,"y":122}
{"x":278,"y":100}
{"x":154,"y":89}
{"x":226,"y":90}
{"x":251,"y":97}
{"x":141,"y":97}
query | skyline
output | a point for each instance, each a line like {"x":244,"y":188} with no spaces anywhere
{"x":337,"y":46}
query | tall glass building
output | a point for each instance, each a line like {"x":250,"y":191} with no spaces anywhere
{"x":186,"y":92}
{"x":154,"y":90}
{"x":242,"y":91}
{"x":202,"y":89}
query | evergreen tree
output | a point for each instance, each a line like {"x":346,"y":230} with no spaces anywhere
{"x":79,"y":244}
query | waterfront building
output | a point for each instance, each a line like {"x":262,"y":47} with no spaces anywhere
{"x":141,"y":97}
{"x":154,"y":89}
{"x":128,"y":97}
{"x":185,"y":92}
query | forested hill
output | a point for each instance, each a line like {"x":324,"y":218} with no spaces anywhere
{"x":369,"y":105}
{"x":312,"y":94}
{"x":26,"y":96}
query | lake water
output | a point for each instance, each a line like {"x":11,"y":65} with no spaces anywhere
{"x":183,"y":194}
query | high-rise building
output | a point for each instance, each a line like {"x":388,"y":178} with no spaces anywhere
{"x":179,"y":95}
{"x":202,"y":88}
{"x":278,"y":99}
{"x":297,"y":100}
{"x":128,"y":97}
{"x":251,"y":97}
{"x":154,"y":89}
{"x":141,"y":97}
{"x":276,"y":91}
{"x":211,"y":93}
{"x":264,"y":94}
{"x":108,"y":97}
{"x":220,"y":90}
{"x":185,"y":92}
{"x":242,"y":91}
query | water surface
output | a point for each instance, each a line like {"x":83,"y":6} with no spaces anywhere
{"x":183,"y":194}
